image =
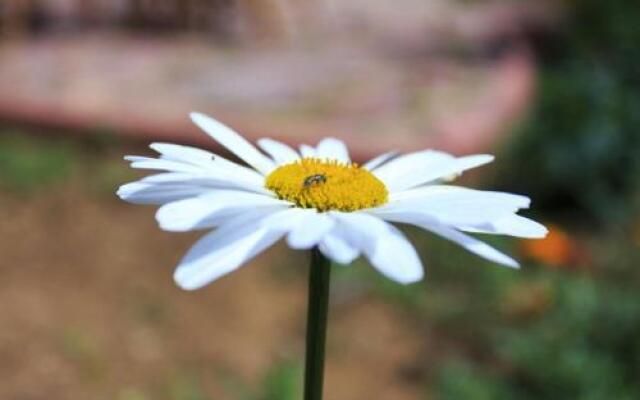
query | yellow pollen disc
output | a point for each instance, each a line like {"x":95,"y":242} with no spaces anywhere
{"x":327,"y":185}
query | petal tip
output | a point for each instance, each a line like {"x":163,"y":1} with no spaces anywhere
{"x":121,"y":193}
{"x":194,"y":115}
{"x":512,"y":264}
{"x":410,"y":280}
{"x":542,"y":232}
{"x":183,"y":281}
{"x":200,"y":119}
{"x":484,"y":158}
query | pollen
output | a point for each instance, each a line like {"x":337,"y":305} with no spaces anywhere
{"x":327,"y":185}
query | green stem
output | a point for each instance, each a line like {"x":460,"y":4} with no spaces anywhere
{"x":318,"y":307}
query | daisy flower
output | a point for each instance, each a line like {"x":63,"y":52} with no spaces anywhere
{"x":318,"y":198}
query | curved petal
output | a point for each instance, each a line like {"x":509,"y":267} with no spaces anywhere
{"x":307,"y":151}
{"x":163,"y":165}
{"x":474,"y":245}
{"x":211,"y":180}
{"x":442,"y":171}
{"x":513,"y":225}
{"x":210,"y":209}
{"x":452,"y":205}
{"x":133,"y":159}
{"x":285,"y":221}
{"x":397,"y":259}
{"x":144,"y":193}
{"x":310,"y":231}
{"x":280,"y":152}
{"x":224,"y":250}
{"x":188,"y":165}
{"x":432,"y":192}
{"x":333,"y":149}
{"x":471,"y":244}
{"x":305,"y":227}
{"x":338,"y":249}
{"x":385,"y":246}
{"x":204,"y":159}
{"x":234,"y":143}
{"x":423,"y":167}
{"x":411,"y":162}
{"x":378,"y":161}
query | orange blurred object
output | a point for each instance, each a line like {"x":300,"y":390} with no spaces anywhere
{"x":557,"y":249}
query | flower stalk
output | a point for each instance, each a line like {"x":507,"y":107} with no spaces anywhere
{"x":317,"y":312}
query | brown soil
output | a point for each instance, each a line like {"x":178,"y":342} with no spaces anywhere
{"x":89,"y":311}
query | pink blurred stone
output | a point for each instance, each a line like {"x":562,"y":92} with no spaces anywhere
{"x":392,"y":87}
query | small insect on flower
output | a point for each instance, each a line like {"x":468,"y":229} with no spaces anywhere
{"x":314,"y":180}
{"x":318,"y":198}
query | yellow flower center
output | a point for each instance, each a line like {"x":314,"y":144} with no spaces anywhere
{"x":327,"y":185}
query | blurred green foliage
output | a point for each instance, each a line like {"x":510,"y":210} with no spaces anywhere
{"x":563,"y":332}
{"x":185,"y":386}
{"x":282,"y":382}
{"x":30,"y":163}
{"x":578,"y":154}
{"x":27,"y":165}
{"x":582,"y":342}
{"x":81,"y":348}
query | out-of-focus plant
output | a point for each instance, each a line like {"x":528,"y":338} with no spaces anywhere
{"x":579,"y":150}
{"x":550,"y":331}
{"x":281,"y":382}
{"x":582,"y":343}
{"x":28,"y":165}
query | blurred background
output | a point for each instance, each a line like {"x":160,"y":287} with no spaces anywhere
{"x":88,"y":309}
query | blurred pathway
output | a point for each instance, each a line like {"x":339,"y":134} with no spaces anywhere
{"x":146,"y":87}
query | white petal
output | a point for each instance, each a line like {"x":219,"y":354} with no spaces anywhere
{"x":234,"y":143}
{"x":204,"y":159}
{"x":474,"y":245}
{"x":397,"y":259}
{"x":280,"y":152}
{"x":305,"y":227}
{"x":307,"y":151}
{"x":186,"y":154}
{"x":310,"y":231}
{"x":378,"y":161}
{"x":224,"y":250}
{"x":424,"y":167}
{"x":409,"y":163}
{"x":211,"y":179}
{"x":137,"y":158}
{"x":211,"y":209}
{"x":338,"y":249}
{"x":385,"y":247}
{"x":452,"y":205}
{"x":187,"y":166}
{"x":513,"y":225}
{"x":141,"y":193}
{"x":285,"y":221}
{"x":333,"y":149}
{"x":511,"y":200}
{"x":159,"y":164}
{"x":191,"y":164}
{"x":441,"y":171}
{"x":471,"y":244}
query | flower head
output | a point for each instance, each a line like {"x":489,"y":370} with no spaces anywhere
{"x":326,"y":185}
{"x":317,"y":197}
